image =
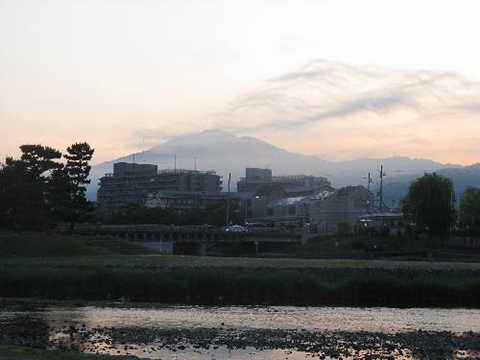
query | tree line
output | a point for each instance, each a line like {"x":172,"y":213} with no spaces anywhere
{"x":214,"y":215}
{"x":40,"y":189}
{"x":430,"y":205}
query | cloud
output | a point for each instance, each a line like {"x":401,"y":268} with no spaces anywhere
{"x":340,"y":111}
{"x":330,"y":108}
{"x":474,"y":107}
{"x":374,"y":104}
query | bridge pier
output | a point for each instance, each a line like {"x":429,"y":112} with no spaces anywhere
{"x":202,"y":249}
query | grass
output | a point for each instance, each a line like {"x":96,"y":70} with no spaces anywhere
{"x":60,"y":267}
{"x":231,"y":286}
{"x":9,"y":352}
{"x":188,"y":262}
{"x":395,"y":247}
{"x":31,"y":244}
{"x":38,"y":244}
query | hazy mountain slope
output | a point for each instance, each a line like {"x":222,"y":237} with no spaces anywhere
{"x":224,"y":152}
{"x":397,"y":187}
{"x":220,"y":151}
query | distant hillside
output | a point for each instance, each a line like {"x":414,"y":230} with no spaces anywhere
{"x":397,"y":187}
{"x":224,"y":152}
{"x":220,"y":151}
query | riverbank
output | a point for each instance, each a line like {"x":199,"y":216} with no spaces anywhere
{"x":11,"y":352}
{"x":321,"y":283}
{"x":183,"y":332}
{"x":69,"y":268}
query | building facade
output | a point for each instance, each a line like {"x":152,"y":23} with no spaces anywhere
{"x":133,"y":183}
{"x":378,"y":222}
{"x":338,"y":211}
{"x":184,"y":201}
{"x":294,"y":185}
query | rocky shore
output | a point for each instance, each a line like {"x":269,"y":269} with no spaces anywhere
{"x":149,"y":342}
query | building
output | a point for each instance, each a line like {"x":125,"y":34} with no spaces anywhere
{"x":256,"y":206}
{"x":302,"y":185}
{"x":289,"y":211}
{"x":133,"y":183}
{"x":338,"y":211}
{"x":271,"y":206}
{"x":294,"y":185}
{"x":187,"y":200}
{"x":378,"y":222}
{"x":254,"y":179}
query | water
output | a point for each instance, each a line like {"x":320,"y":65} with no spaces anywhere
{"x":238,"y":332}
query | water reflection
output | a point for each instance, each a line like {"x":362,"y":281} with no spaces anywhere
{"x":24,"y":329}
{"x":186,"y":332}
{"x":310,"y":318}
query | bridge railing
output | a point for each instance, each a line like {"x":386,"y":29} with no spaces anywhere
{"x":153,"y":228}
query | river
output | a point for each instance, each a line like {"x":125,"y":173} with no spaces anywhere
{"x":239,"y":332}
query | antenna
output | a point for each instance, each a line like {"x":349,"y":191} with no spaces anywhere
{"x":195,"y":164}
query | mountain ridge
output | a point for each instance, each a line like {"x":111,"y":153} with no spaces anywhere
{"x":226,"y":153}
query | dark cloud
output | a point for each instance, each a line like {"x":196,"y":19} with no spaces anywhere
{"x":374,"y":104}
{"x":473,"y":107}
{"x":323,"y":90}
{"x":347,"y":108}
{"x":329,"y":90}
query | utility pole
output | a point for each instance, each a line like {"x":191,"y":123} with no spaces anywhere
{"x":246,"y":210}
{"x":228,"y":199}
{"x":382,"y":174}
{"x":175,"y":162}
{"x":369,"y":181}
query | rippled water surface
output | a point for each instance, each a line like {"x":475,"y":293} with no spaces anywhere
{"x":82,"y":328}
{"x":309,"y":318}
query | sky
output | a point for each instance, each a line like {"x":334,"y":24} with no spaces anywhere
{"x":339,"y":79}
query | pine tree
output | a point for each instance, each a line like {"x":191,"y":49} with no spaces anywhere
{"x":23,"y":188}
{"x":72,"y":179}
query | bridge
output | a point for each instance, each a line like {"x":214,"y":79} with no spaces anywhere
{"x":195,"y":239}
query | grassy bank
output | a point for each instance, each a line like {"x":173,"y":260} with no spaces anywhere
{"x":257,"y":286}
{"x":401,"y":248}
{"x":34,"y":244}
{"x":60,"y":267}
{"x":8,"y":352}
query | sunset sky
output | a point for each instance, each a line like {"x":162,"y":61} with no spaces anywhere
{"x":339,"y":79}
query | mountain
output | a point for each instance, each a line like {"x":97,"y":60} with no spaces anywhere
{"x":397,"y":187}
{"x":220,"y":151}
{"x":225,"y":152}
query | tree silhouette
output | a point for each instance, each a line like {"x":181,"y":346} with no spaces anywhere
{"x":37,"y":190}
{"x":430,"y":203}
{"x":470,"y":207}
{"x":67,"y":186}
{"x":23,"y":187}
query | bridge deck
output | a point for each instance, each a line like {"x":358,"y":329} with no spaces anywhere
{"x":186,"y":234}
